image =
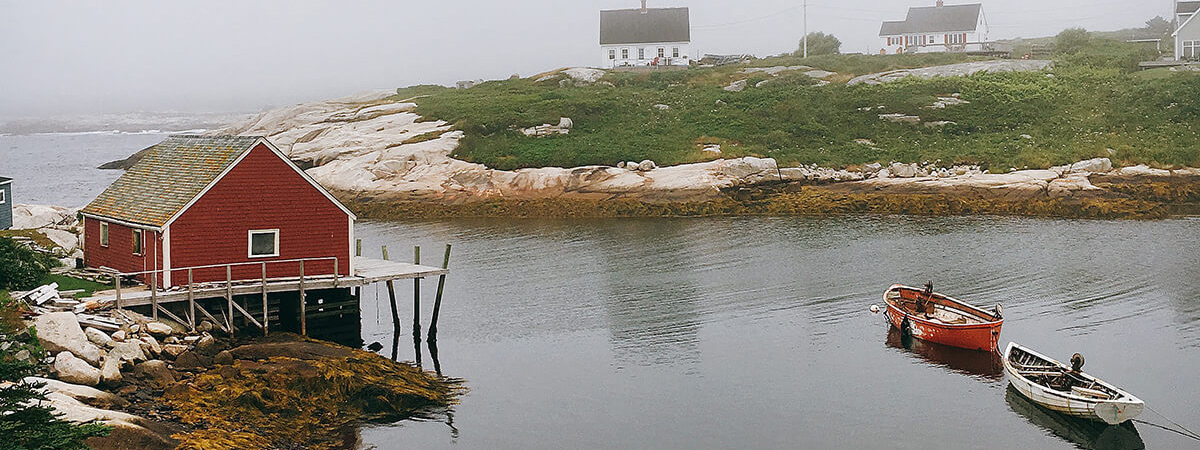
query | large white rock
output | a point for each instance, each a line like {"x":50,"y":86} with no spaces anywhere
{"x":74,"y":370}
{"x":127,"y":352}
{"x":584,"y":74}
{"x":110,"y":371}
{"x":158,"y":329}
{"x":29,"y":217}
{"x":736,"y":86}
{"x":67,"y":240}
{"x":60,"y":331}
{"x":1095,"y":165}
{"x":98,"y":337}
{"x":86,"y":394}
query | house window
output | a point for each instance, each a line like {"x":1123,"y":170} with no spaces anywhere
{"x":675,"y":52}
{"x":612,"y":53}
{"x":642,"y":53}
{"x":624,"y":53}
{"x":104,"y":234}
{"x":139,"y":242}
{"x":662,"y":52}
{"x":1191,"y":50}
{"x":263,"y":243}
{"x":2,"y":197}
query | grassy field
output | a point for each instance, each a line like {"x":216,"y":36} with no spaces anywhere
{"x":1092,"y":104}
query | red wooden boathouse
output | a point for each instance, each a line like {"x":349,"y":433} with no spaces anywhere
{"x":229,"y":201}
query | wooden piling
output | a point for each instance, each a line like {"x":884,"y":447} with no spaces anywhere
{"x":154,"y":294}
{"x":264,"y":298}
{"x":437,"y":304}
{"x":392,"y":299}
{"x":417,"y":302}
{"x":191,"y":296}
{"x":229,"y":297}
{"x":303,"y":306}
{"x":357,"y":252}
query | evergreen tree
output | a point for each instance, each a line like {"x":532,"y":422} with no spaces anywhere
{"x":26,"y":422}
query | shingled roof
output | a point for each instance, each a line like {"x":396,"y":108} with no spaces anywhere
{"x":168,"y":177}
{"x":935,"y":19}
{"x":632,"y":26}
{"x":1187,"y":7}
{"x":4,"y":180}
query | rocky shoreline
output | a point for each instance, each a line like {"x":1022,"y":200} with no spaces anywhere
{"x":161,"y":386}
{"x":387,"y":161}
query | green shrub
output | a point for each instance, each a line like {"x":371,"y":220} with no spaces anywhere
{"x":21,"y":267}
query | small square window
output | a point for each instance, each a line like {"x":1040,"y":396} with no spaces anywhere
{"x":139,"y":241}
{"x":662,"y":52}
{"x":642,"y":53}
{"x":612,"y":54}
{"x":675,"y":52}
{"x":104,"y":234}
{"x":624,"y":53}
{"x":263,"y":243}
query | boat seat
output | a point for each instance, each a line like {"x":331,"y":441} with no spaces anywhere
{"x":1085,"y":392}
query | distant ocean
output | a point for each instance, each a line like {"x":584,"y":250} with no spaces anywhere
{"x":53,"y":161}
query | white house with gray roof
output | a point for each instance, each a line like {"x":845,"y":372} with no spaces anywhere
{"x":645,"y":37}
{"x":938,"y":28}
{"x":1187,"y":36}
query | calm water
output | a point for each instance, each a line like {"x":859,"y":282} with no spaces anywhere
{"x":755,"y":332}
{"x":60,"y":169}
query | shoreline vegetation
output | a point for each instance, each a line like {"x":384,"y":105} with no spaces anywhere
{"x":1138,"y":199}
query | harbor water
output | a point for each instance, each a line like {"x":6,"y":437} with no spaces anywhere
{"x":713,"y":333}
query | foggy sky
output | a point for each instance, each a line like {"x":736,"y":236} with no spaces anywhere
{"x":151,"y":55}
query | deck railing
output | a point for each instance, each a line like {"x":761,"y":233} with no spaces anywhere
{"x":227,"y":326}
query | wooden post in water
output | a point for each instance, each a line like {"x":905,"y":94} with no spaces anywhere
{"x":117,"y":284}
{"x":303,"y":305}
{"x":264,"y":295}
{"x":417,"y":300}
{"x":437,"y":304}
{"x":229,"y":297}
{"x":357,"y":252}
{"x":191,"y":303}
{"x":392,"y":298}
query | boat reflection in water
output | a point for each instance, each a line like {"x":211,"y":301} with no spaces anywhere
{"x":969,"y":362}
{"x":1083,"y":433}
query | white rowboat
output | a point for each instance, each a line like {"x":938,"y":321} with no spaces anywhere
{"x":1055,"y":386}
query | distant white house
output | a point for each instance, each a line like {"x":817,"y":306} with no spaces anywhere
{"x":1187,"y":36}
{"x":939,"y":28}
{"x":645,"y":36}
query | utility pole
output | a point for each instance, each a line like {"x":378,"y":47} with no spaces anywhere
{"x":805,"y":28}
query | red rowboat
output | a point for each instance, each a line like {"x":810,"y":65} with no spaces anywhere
{"x":924,"y":314}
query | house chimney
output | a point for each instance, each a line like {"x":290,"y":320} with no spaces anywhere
{"x":940,"y":3}
{"x":644,"y":6}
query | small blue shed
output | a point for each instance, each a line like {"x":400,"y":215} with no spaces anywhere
{"x":5,"y":203}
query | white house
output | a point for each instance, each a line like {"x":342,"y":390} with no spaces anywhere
{"x":939,"y":28}
{"x":1187,"y":36}
{"x":645,"y":36}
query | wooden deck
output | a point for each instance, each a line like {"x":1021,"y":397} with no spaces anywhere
{"x":366,"y":271}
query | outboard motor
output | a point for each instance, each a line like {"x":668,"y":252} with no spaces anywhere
{"x":1076,"y":362}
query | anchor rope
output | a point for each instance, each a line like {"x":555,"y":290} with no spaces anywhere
{"x":1185,"y":432}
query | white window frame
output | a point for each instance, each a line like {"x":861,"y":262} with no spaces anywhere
{"x":662,"y":52}
{"x":250,"y":243}
{"x":1191,"y":49}
{"x":674,"y":52}
{"x":625,"y":53}
{"x":641,"y":53}
{"x":612,"y":53}
{"x":139,"y":237}
{"x":104,"y":240}
{"x":3,"y":196}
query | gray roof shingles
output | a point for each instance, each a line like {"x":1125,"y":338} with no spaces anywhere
{"x":168,"y":177}
{"x":631,"y":26}
{"x":935,"y":19}
{"x":1186,"y":7}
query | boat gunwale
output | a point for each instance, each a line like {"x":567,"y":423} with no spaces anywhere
{"x":1123,"y":398}
{"x":974,"y":310}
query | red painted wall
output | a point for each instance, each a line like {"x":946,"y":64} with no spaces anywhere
{"x":261,"y":192}
{"x":119,"y":252}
